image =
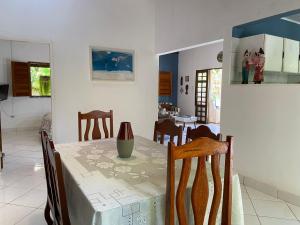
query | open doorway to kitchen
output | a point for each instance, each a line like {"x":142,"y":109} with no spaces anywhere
{"x":191,"y":79}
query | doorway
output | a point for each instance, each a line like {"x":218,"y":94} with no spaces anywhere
{"x":208,"y":95}
{"x":25,"y":105}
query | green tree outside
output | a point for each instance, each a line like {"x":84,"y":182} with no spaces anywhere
{"x":40,"y":81}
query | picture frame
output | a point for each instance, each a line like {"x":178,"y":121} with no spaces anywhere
{"x":111,"y":64}
{"x":187,"y":78}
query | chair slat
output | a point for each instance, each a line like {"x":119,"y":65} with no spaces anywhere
{"x":215,"y":167}
{"x":96,"y":133}
{"x":200,"y":192}
{"x":162,"y":139}
{"x":180,"y":195}
{"x":105,"y":127}
{"x":96,"y":130}
{"x":87,"y":129}
{"x":172,"y":138}
{"x":111,"y":123}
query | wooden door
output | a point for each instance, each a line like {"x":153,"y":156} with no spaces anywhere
{"x":21,"y":85}
{"x":165,"y":83}
{"x":201,"y":95}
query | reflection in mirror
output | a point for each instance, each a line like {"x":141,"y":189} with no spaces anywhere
{"x":267,"y":50}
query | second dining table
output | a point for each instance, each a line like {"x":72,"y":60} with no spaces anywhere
{"x":103,"y":189}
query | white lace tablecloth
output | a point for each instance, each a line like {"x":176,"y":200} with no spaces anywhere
{"x":103,"y":189}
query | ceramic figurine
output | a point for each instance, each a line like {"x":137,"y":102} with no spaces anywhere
{"x":259,"y":63}
{"x":181,"y":90}
{"x":246,"y":67}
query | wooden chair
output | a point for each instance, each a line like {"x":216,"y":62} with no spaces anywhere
{"x":167,"y":127}
{"x":200,"y":148}
{"x":95,"y":115}
{"x":201,"y":131}
{"x":56,"y":195}
{"x":44,"y":138}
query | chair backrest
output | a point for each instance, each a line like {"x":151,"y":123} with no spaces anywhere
{"x":95,"y":116}
{"x":167,"y":127}
{"x":201,"y":131}
{"x":167,"y":106}
{"x":55,"y":183}
{"x":200,"y":148}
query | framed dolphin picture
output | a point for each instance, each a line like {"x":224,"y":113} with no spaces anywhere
{"x":112,"y":64}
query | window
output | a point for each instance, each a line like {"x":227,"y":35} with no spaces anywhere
{"x":31,"y":79}
{"x":40,"y":76}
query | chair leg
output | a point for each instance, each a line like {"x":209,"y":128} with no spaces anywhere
{"x":47,"y":214}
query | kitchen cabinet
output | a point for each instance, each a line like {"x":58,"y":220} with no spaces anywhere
{"x":291,"y":56}
{"x":272,"y":46}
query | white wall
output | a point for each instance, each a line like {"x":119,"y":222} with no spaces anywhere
{"x":264,"y":119}
{"x":22,"y":112}
{"x":189,"y":61}
{"x":72,"y":26}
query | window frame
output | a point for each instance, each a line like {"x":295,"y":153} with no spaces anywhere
{"x":38,"y":64}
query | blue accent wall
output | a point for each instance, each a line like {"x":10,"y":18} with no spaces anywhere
{"x":272,"y":25}
{"x":169,"y":63}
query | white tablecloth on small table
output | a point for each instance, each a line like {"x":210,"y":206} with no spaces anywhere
{"x":103,"y":189}
{"x":186,"y":119}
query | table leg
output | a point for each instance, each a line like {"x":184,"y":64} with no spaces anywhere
{"x":195,"y":125}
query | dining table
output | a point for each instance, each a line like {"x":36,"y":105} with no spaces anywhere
{"x":103,"y":189}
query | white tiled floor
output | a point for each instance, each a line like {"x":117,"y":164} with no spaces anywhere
{"x":22,"y":182}
{"x":23,"y":189}
{"x":262,"y":209}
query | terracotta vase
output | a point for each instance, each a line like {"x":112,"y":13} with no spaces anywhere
{"x":125,"y":140}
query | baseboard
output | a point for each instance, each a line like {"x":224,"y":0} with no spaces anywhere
{"x":270,"y":190}
{"x":288,"y":197}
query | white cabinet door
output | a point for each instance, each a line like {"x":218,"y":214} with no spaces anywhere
{"x":273,"y":53}
{"x":291,"y":56}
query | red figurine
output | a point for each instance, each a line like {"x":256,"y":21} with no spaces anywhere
{"x":259,"y":63}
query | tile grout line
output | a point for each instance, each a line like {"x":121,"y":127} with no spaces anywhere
{"x":252,"y":205}
{"x":26,"y":206}
{"x":10,"y":202}
{"x":284,"y":219}
{"x":295,"y":217}
{"x":25,"y":216}
{"x":292,"y":212}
